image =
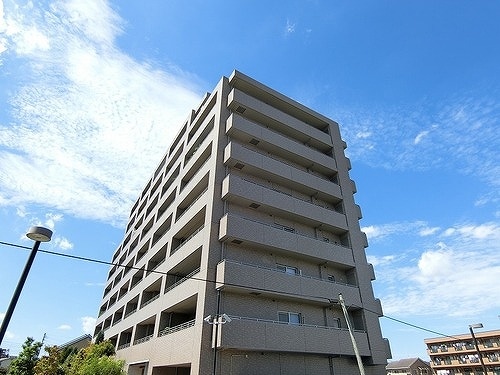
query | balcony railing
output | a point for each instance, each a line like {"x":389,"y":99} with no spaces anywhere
{"x":130,"y":313}
{"x":143,"y":339}
{"x":178,"y":282}
{"x":155,"y":266}
{"x":246,"y":318}
{"x":169,"y":330}
{"x":145,"y":303}
{"x":191,"y":204}
{"x":288,"y":229}
{"x":186,"y":240}
{"x":277,"y":270}
{"x":123,"y":346}
{"x":290,"y":195}
{"x":291,"y":164}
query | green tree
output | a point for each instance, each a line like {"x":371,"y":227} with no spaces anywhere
{"x":25,"y":362}
{"x":102,"y":366}
{"x":50,"y":364}
{"x":96,"y":359}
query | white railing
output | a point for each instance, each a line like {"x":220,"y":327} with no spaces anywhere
{"x":177,"y":328}
{"x":178,"y":282}
{"x":187,"y":239}
{"x":143,"y":339}
{"x":150,"y":300}
{"x":123,"y":346}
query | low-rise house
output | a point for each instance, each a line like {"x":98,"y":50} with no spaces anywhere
{"x":409,"y":366}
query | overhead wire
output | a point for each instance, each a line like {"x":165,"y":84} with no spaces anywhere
{"x":98,"y":261}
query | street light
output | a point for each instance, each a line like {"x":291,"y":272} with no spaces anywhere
{"x":215,"y":321}
{"x":37,"y":234}
{"x":477,"y":325}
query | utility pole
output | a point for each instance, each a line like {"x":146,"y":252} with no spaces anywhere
{"x":354,"y":345}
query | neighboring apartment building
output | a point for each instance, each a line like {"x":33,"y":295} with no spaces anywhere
{"x":458,"y":355}
{"x":408,"y":366}
{"x":78,"y":343}
{"x":239,"y":245}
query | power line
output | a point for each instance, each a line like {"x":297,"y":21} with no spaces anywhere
{"x":92,"y":260}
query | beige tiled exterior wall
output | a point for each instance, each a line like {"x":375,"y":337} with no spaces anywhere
{"x":250,"y":214}
{"x":458,"y":354}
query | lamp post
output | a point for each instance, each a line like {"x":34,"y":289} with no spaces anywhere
{"x":215,"y":322}
{"x":37,"y":234}
{"x":471,"y":327}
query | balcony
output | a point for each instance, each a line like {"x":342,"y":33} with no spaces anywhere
{"x":246,"y":333}
{"x":244,"y":192}
{"x":264,"y":113}
{"x":265,"y":166}
{"x":245,"y":278}
{"x":177,"y":328}
{"x":279,"y":143}
{"x":237,"y":229}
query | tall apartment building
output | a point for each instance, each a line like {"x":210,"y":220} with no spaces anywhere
{"x":458,"y":355}
{"x":238,"y":248}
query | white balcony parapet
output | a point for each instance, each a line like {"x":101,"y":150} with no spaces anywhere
{"x":143,"y":339}
{"x":123,"y":346}
{"x":177,"y":328}
{"x":187,"y":239}
{"x":187,"y":277}
{"x":150,"y":300}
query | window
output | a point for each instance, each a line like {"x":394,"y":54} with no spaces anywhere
{"x":289,"y":317}
{"x":288,"y":269}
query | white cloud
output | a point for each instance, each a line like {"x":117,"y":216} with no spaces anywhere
{"x":363,"y":134}
{"x":436,"y":264}
{"x":427,"y":231}
{"x":89,"y":118}
{"x":290,"y":27}
{"x":375,"y":232}
{"x":64,"y":327}
{"x":63,"y":243}
{"x":392,"y":139}
{"x":21,"y":211}
{"x":460,"y":264}
{"x":51,"y":220}
{"x":88,"y":324}
{"x":383,"y":260}
{"x":95,"y":284}
{"x":420,"y":136}
{"x":480,"y":231}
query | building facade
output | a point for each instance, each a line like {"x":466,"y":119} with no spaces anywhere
{"x":458,"y":355}
{"x":408,"y":366}
{"x":239,"y":245}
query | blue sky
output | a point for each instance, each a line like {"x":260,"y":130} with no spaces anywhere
{"x":92,"y":93}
